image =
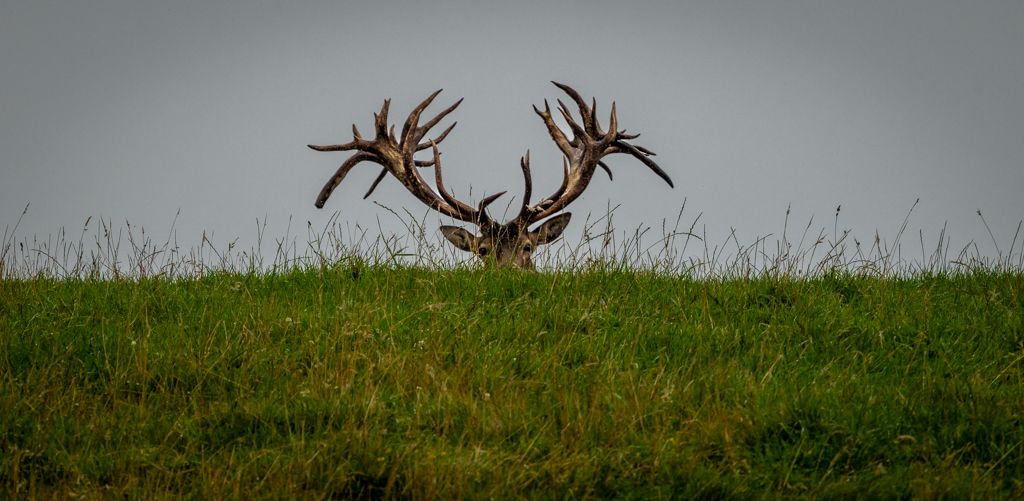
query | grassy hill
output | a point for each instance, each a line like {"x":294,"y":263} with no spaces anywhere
{"x":356,"y":380}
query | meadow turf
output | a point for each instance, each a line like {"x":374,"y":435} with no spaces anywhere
{"x":357,"y":381}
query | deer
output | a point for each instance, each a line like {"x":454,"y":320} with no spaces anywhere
{"x":509,"y":244}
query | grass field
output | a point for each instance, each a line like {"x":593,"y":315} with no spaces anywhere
{"x":811,"y":367}
{"x":355,"y":380}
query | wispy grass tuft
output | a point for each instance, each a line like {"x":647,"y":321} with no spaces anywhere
{"x":104,"y":250}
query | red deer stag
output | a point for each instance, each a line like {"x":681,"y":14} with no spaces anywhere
{"x":511,"y":243}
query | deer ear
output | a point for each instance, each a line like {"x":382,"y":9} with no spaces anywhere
{"x":552,"y":228}
{"x":459,"y":237}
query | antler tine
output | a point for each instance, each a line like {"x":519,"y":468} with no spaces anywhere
{"x":410,"y":126}
{"x":641,"y":156}
{"x":380,"y":120}
{"x":380,"y":177}
{"x":482,"y":206}
{"x":578,"y":133}
{"x":439,"y":138}
{"x":351,"y":145}
{"x":556,"y":134}
{"x":588,"y":120}
{"x":529,"y":214}
{"x":340,"y":174}
{"x":423,"y":129}
{"x":439,"y":181}
{"x":613,"y":125}
{"x":357,"y":143}
{"x":524,"y":210}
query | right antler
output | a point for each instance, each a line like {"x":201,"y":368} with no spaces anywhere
{"x":396,"y":157}
{"x":583,"y":155}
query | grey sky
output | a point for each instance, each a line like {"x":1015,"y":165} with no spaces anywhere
{"x":134,"y":109}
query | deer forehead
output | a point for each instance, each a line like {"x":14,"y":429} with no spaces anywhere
{"x":503,"y":238}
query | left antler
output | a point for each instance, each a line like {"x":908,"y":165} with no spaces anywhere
{"x":395,"y":155}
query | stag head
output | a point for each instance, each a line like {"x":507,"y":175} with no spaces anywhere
{"x":507,"y":244}
{"x":504,"y":244}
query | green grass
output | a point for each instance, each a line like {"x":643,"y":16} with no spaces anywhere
{"x":358,"y":380}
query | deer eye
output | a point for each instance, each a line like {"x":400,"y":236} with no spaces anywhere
{"x":483,"y":251}
{"x":527,"y":248}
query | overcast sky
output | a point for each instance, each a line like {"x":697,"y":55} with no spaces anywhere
{"x":134,"y":110}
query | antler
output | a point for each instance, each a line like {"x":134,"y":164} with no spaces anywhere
{"x":583,"y":154}
{"x":395,"y":155}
